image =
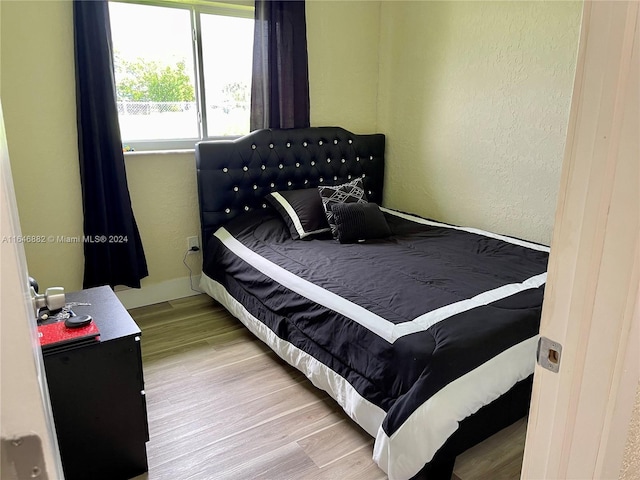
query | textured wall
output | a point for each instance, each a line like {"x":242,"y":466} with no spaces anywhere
{"x":631,"y":461}
{"x":38,"y":97}
{"x":165,"y":200}
{"x":474,"y":98}
{"x":342,"y":40}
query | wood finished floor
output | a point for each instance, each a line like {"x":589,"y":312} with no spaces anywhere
{"x":222,"y":405}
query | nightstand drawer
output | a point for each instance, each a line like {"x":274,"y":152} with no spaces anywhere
{"x":97,"y":396}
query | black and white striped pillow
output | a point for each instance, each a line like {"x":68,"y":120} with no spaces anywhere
{"x":301,"y":210}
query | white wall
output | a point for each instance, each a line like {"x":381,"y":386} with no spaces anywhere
{"x":38,"y":96}
{"x":342,"y":41}
{"x":474,"y":98}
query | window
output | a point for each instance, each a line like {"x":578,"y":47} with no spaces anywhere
{"x":182,"y":72}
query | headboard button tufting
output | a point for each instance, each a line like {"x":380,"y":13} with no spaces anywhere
{"x":304,"y":158}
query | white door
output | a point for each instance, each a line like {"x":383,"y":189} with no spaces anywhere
{"x":29,"y":447}
{"x":579,"y":417}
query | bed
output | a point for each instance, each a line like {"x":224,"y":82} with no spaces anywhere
{"x":425,"y":333}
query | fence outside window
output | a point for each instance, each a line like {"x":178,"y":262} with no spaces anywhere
{"x":162,"y":120}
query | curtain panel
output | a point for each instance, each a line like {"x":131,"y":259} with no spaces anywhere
{"x":280,"y":79}
{"x":112,"y":249}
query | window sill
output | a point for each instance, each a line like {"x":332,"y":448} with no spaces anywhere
{"x":145,"y":153}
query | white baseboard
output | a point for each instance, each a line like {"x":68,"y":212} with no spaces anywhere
{"x":158,"y":292}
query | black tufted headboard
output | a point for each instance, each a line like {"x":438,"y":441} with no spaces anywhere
{"x":235,"y":175}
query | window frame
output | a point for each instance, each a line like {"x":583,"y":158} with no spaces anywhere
{"x":227,"y":8}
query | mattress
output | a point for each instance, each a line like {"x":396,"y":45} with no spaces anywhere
{"x":410,"y":334}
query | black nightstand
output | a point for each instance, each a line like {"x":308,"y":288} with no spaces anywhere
{"x":97,"y":395}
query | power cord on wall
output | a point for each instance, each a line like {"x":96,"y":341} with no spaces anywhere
{"x":184,"y":260}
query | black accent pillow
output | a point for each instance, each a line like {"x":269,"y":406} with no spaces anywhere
{"x":352,"y":192}
{"x":359,"y":221}
{"x":301,"y":210}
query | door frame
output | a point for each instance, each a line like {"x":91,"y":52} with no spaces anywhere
{"x":25,"y":409}
{"x":579,"y":419}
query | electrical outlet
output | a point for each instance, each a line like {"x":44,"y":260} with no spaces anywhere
{"x":193,"y":242}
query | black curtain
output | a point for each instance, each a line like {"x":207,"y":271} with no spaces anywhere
{"x":113,"y":253}
{"x":280,"y":80}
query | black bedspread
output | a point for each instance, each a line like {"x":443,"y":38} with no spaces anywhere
{"x":410,"y":323}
